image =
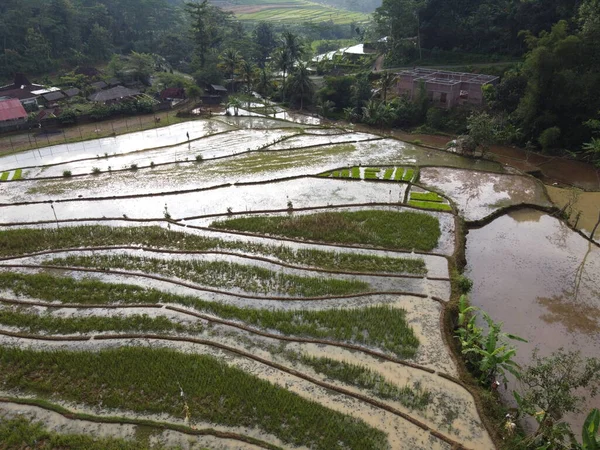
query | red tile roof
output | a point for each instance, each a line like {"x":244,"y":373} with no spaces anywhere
{"x":11,"y":109}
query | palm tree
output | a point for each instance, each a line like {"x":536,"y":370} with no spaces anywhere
{"x":301,"y":82}
{"x":234,"y":103}
{"x":247,"y":71}
{"x":264,"y":82}
{"x":284,"y":64}
{"x":287,"y":54}
{"x":386,"y":81}
{"x":230,"y":60}
{"x":293,"y":46}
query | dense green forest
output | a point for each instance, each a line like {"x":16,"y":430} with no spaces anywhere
{"x":548,"y":100}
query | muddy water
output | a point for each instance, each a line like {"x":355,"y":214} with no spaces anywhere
{"x":542,"y":280}
{"x":158,"y":137}
{"x":582,"y":207}
{"x":479,"y":194}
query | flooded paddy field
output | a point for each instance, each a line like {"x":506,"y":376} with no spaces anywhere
{"x":269,"y":267}
{"x":554,"y":299}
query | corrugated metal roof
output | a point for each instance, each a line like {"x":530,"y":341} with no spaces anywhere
{"x":115,"y":93}
{"x":11,"y":110}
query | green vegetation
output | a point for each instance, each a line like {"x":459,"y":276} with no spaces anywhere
{"x":146,"y":380}
{"x":426,"y":196}
{"x":47,"y":323}
{"x":223,"y":275}
{"x":18,"y":174}
{"x":67,"y":174}
{"x":363,"y":377}
{"x":388,"y":229}
{"x":293,"y":11}
{"x":15,"y":242}
{"x":356,"y":172}
{"x":20,"y":433}
{"x":399,"y":175}
{"x":371,"y":173}
{"x":489,"y":356}
{"x":378,"y":326}
{"x":408,"y":175}
{"x":388,"y":174}
{"x":345,"y":173}
{"x":430,"y":205}
{"x":4,"y":176}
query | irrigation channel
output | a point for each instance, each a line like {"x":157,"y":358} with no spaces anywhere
{"x":271,"y":282}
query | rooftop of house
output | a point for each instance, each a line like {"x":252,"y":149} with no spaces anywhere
{"x":446,"y":77}
{"x":44,"y":91}
{"x":11,"y":109}
{"x":116,"y":93}
{"x":54,"y":96}
{"x":99,"y":85}
{"x":72,"y":92}
{"x":218,"y":87}
{"x":172,"y":93}
{"x":21,"y":94}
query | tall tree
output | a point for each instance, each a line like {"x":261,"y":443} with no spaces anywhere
{"x":200,"y":28}
{"x":264,"y":38}
{"x":230,"y":61}
{"x":301,"y":84}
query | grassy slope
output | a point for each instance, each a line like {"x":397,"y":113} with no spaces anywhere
{"x":388,"y":229}
{"x":291,"y":11}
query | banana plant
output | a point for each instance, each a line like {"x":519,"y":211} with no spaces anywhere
{"x":589,"y":434}
{"x":489,"y":353}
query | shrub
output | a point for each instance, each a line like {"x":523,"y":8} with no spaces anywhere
{"x":199,"y":158}
{"x":464,"y":283}
{"x":96,"y":170}
{"x":550,"y":138}
{"x":134,"y":167}
{"x":67,"y":174}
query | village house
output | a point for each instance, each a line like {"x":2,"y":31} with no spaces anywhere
{"x":444,"y":89}
{"x":12,"y":113}
{"x":114,"y":95}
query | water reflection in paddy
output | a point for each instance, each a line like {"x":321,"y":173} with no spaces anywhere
{"x":542,"y":280}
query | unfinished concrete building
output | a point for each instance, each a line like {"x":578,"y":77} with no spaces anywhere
{"x":444,"y":89}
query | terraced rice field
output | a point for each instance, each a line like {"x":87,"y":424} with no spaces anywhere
{"x":286,"y":291}
{"x":290,"y":11}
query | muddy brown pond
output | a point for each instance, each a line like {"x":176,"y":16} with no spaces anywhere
{"x":542,"y":280}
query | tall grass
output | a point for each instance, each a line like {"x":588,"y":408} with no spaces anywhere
{"x":223,"y":275}
{"x":47,"y":323}
{"x":22,"y":241}
{"x":388,"y":229}
{"x":362,"y":377}
{"x":376,"y":326}
{"x":20,"y":433}
{"x":146,"y":380}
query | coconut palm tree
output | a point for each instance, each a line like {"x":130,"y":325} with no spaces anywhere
{"x":287,"y":54}
{"x":386,"y":81}
{"x":301,"y":82}
{"x":247,"y":71}
{"x":230,"y":61}
{"x":264,"y":83}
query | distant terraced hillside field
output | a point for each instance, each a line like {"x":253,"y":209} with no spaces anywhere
{"x":289,"y":11}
